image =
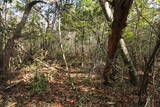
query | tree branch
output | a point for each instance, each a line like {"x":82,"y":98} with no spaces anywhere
{"x":20,"y":26}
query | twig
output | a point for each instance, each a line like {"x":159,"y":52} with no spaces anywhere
{"x":12,"y":85}
{"x":148,"y":100}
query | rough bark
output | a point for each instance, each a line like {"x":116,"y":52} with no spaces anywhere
{"x":7,"y":51}
{"x":121,"y":11}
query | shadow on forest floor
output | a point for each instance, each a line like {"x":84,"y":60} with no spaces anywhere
{"x":82,"y":89}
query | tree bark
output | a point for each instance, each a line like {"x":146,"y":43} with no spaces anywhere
{"x":121,"y":11}
{"x":128,"y":61}
{"x":1,"y":42}
{"x":1,"y":63}
{"x":7,"y":51}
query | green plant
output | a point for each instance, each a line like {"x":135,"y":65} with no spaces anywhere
{"x":80,"y":105}
{"x":39,"y":82}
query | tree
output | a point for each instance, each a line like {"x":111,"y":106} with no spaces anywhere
{"x":121,"y":11}
{"x":7,"y":51}
{"x":124,"y":52}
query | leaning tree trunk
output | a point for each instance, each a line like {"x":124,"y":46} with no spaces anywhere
{"x":128,"y":61}
{"x":7,"y":51}
{"x":121,"y":11}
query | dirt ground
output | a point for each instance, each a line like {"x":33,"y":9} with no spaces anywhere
{"x":80,"y":88}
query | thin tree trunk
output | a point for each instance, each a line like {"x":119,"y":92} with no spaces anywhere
{"x":121,"y":10}
{"x":75,"y":47}
{"x":61,"y":46}
{"x":82,"y":50}
{"x":1,"y":63}
{"x":63,"y":53}
{"x":1,"y":43}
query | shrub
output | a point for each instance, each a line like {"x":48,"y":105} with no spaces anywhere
{"x":39,"y":82}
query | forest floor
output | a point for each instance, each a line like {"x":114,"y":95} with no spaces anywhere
{"x":83,"y":87}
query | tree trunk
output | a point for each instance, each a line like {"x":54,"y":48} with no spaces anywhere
{"x":1,"y":44}
{"x":124,"y":52}
{"x":1,"y":63}
{"x":127,"y":61}
{"x":7,"y":51}
{"x":82,"y":49}
{"x":121,"y":10}
{"x":147,"y":70}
